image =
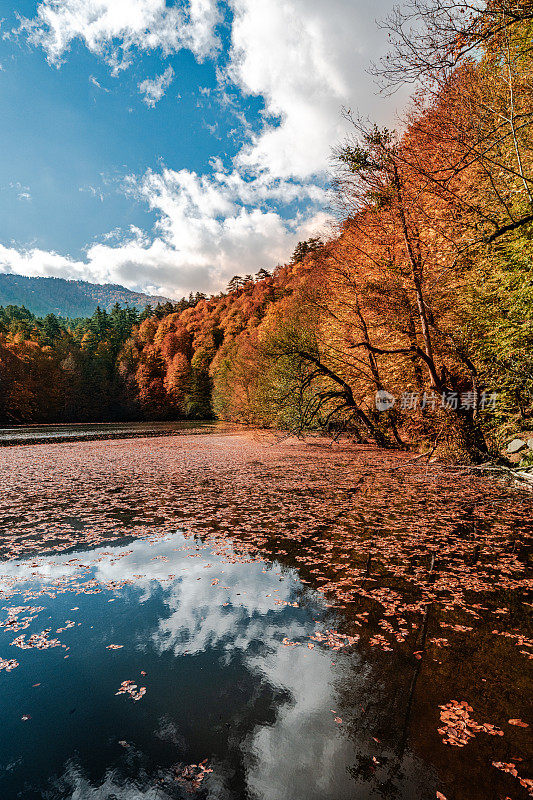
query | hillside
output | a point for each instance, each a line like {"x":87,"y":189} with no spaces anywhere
{"x":67,"y":298}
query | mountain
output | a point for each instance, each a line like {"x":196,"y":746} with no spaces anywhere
{"x":68,"y":298}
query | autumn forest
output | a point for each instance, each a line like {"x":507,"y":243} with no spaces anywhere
{"x":424,"y":290}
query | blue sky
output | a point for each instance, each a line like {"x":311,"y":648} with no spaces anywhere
{"x":169,"y":146}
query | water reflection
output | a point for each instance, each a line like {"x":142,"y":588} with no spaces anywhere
{"x":204,"y":632}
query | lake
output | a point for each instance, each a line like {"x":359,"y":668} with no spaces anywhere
{"x":86,"y":431}
{"x":241,"y":615}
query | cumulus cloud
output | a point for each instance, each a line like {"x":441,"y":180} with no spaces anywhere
{"x":153,"y":89}
{"x":114,"y":29}
{"x":209,"y":228}
{"x":297,"y":756}
{"x":305,"y":58}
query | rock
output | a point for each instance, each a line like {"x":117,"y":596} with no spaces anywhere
{"x":530,"y":444}
{"x":526,"y":476}
{"x":514,"y":458}
{"x":516,"y":445}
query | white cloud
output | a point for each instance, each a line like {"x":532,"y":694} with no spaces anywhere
{"x":23,"y":192}
{"x":209,"y":228}
{"x":113,"y":29}
{"x":307,"y":59}
{"x":98,"y":85}
{"x":153,"y":89}
{"x":299,"y":756}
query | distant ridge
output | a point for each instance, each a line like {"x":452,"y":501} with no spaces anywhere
{"x":67,"y":298}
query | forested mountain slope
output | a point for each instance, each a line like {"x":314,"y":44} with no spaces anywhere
{"x":67,"y":298}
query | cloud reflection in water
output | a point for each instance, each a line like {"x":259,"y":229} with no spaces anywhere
{"x":220,"y":683}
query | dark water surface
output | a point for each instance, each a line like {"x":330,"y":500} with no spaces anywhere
{"x":86,"y":431}
{"x":220,"y":684}
{"x":231,"y":575}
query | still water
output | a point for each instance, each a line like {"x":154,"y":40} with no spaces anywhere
{"x":224,"y":648}
{"x":238,"y":615}
{"x":87,"y":431}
